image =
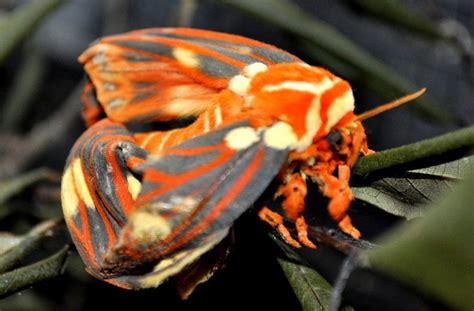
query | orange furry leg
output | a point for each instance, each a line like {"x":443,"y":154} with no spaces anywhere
{"x":276,"y":221}
{"x":295,"y":191}
{"x":302,"y":229}
{"x":346,"y":226}
{"x":340,"y":195}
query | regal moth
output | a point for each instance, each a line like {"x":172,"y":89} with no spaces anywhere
{"x":141,"y":206}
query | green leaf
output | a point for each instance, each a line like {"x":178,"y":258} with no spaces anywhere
{"x":13,"y":186}
{"x":321,"y":39}
{"x":311,"y":289}
{"x":8,"y":241}
{"x":407,"y":194}
{"x":457,"y":169}
{"x":21,"y":22}
{"x":23,"y":90}
{"x":26,"y":245}
{"x":463,"y":138}
{"x":436,"y":253}
{"x":21,"y":278}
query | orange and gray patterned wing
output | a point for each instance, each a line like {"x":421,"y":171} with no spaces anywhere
{"x":190,"y":196}
{"x":99,"y":187}
{"x":167,"y":73}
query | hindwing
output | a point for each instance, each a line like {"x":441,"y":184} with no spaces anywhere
{"x":167,"y":73}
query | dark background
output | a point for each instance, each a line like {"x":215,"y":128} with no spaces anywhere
{"x":253,"y":278}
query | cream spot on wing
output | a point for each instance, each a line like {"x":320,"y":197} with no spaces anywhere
{"x":185,"y":107}
{"x":99,"y":58}
{"x":134,"y":186}
{"x":145,"y":142}
{"x":116,"y":103}
{"x":109,"y":87}
{"x":280,"y":136}
{"x":80,"y":183}
{"x":339,"y":107}
{"x":186,"y":57}
{"x":314,"y":88}
{"x":69,"y":199}
{"x":245,"y":49}
{"x":241,"y":138}
{"x":164,"y":140}
{"x":252,"y":69}
{"x":183,"y":204}
{"x":217,"y":115}
{"x":148,"y":227}
{"x":239,"y":85}
{"x":206,"y":121}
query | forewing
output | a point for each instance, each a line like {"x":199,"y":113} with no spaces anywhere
{"x":193,"y":191}
{"x":167,"y":73}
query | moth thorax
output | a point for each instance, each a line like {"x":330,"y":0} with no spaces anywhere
{"x":311,"y":100}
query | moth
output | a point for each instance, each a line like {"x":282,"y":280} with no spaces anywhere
{"x":141,"y":206}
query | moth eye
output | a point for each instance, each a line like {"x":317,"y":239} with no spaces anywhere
{"x":334,"y":138}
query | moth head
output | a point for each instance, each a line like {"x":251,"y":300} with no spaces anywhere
{"x":311,"y":100}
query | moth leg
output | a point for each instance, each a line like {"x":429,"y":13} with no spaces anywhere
{"x":302,"y":229}
{"x":367,"y":151}
{"x":276,"y":221}
{"x":295,"y":191}
{"x":354,"y":142}
{"x":340,"y":195}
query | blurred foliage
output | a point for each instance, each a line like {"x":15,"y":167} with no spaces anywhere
{"x":24,"y":89}
{"x":335,"y":50}
{"x":398,"y":14}
{"x":432,"y":255}
{"x":436,"y":253}
{"x":12,"y":186}
{"x":17,"y":25}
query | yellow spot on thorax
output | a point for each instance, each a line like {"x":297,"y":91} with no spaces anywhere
{"x":341,"y":105}
{"x":241,"y":138}
{"x":280,"y":136}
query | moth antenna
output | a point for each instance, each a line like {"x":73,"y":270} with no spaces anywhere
{"x":390,"y":105}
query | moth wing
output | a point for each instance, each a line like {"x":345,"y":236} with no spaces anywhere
{"x":167,"y":73}
{"x":191,"y":195}
{"x":91,"y":109}
{"x":99,"y":187}
{"x":170,"y":266}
